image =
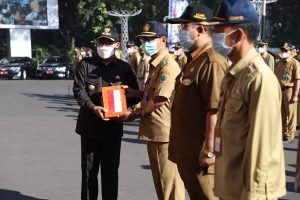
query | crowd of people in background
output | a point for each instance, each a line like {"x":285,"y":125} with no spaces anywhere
{"x":214,"y":112}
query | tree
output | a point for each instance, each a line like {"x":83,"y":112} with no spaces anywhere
{"x":80,"y":20}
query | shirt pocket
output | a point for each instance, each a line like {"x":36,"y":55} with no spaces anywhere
{"x":93,"y":85}
{"x":233,"y":105}
{"x":185,"y":81}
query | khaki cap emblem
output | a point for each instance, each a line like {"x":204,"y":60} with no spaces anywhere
{"x":91,"y":87}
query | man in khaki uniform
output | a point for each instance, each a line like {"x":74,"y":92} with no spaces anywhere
{"x":263,"y":51}
{"x":143,"y":70}
{"x":181,"y":58}
{"x":134,"y":56}
{"x":288,"y":74}
{"x":248,"y":142}
{"x":195,"y":104}
{"x":155,"y":113}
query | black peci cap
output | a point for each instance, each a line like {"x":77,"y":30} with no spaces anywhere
{"x":109,"y":33}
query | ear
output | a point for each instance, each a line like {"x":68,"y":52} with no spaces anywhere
{"x":201,"y":29}
{"x":239,"y":34}
{"x":164,"y":40}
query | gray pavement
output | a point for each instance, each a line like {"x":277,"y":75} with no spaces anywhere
{"x":40,"y":153}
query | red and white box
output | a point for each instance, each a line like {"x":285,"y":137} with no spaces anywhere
{"x":114,"y":100}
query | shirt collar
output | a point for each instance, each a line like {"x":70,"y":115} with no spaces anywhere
{"x":158,"y":59}
{"x":265,"y":54}
{"x":242,"y":63}
{"x":289,"y":59}
{"x":200,"y":49}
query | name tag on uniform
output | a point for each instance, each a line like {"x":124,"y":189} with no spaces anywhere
{"x":218,"y":142}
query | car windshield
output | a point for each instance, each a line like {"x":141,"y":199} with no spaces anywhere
{"x":11,"y":60}
{"x":56,"y":60}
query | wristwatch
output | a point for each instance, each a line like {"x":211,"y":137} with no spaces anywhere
{"x":209,"y":154}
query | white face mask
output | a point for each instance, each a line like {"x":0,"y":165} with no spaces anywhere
{"x":177,"y":53}
{"x":285,"y":55}
{"x":185,"y":39}
{"x":219,"y":44}
{"x":261,"y":50}
{"x":105,"y":52}
{"x":129,"y":50}
{"x":83,"y":53}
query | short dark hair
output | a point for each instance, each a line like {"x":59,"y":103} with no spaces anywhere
{"x":209,"y":29}
{"x":252,"y":30}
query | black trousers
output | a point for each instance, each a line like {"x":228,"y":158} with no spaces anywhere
{"x":103,"y":153}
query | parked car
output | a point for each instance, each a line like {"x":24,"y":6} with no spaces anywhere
{"x":55,"y":67}
{"x":17,"y":68}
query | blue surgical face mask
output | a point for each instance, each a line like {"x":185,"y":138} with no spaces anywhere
{"x":219,"y":44}
{"x":185,"y":39}
{"x":150,"y":48}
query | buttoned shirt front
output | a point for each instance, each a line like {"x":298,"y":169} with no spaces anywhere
{"x":156,"y":125}
{"x":251,"y":165}
{"x":197,"y":91}
{"x":287,"y":71}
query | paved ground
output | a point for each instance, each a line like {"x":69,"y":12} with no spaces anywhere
{"x":40,"y":154}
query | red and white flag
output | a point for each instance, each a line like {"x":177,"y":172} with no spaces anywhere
{"x":114,"y":101}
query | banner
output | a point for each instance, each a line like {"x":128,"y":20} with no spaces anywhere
{"x":29,"y":14}
{"x":176,"y":8}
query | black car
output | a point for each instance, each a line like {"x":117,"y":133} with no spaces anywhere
{"x":55,"y":67}
{"x":17,"y":68}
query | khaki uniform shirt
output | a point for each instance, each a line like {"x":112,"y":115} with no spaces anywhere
{"x":251,"y":166}
{"x":197,"y":91}
{"x":287,"y":71}
{"x":181,"y":60}
{"x":143,"y":67}
{"x":269,"y":60}
{"x":156,"y":125}
{"x":134,"y":60}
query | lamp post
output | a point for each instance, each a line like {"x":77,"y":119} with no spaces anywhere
{"x":124,"y":15}
{"x":261,"y":7}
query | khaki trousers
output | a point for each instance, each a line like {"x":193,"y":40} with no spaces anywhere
{"x":289,"y":114}
{"x":198,"y":182}
{"x":167,"y":181}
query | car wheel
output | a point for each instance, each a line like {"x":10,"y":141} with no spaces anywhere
{"x":24,"y":75}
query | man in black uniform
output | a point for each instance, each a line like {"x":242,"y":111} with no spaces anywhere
{"x":100,"y":139}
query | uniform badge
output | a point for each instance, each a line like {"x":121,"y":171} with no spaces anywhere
{"x":118,"y":77}
{"x":163,"y":78}
{"x":91,"y":87}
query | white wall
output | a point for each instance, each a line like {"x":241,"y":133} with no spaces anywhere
{"x":20,"y":42}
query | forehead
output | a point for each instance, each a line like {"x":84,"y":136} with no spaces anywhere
{"x":223,"y":28}
{"x":104,"y":41}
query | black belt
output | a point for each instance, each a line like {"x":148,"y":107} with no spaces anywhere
{"x":286,"y":87}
